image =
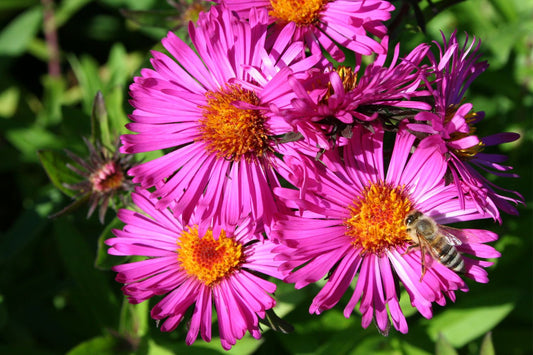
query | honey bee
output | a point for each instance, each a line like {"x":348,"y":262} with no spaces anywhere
{"x":438,"y":240}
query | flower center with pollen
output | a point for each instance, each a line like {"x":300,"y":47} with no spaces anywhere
{"x":108,"y":177}
{"x":348,"y":78}
{"x":464,"y":154}
{"x":207,"y":259}
{"x":377,"y":217}
{"x":232,"y":132}
{"x":301,"y":12}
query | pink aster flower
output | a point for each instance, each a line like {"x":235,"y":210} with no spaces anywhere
{"x":212,"y":108}
{"x":453,"y":125}
{"x":191,"y":265}
{"x":356,"y":219}
{"x":329,"y":103}
{"x":326,"y":23}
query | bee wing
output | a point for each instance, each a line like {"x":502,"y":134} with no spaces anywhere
{"x":450,"y":234}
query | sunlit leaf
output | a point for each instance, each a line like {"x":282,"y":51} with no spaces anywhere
{"x":487,"y":348}
{"x":102,"y":345}
{"x":462,"y":325}
{"x":15,"y":37}
{"x":8,"y":101}
{"x":443,"y":346}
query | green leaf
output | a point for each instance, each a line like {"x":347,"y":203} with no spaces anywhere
{"x":118,"y":70}
{"x":9,"y":99}
{"x":156,"y":349}
{"x":28,"y":140}
{"x":55,"y":165}
{"x":54,"y":89}
{"x":475,"y":318}
{"x":371,"y":344}
{"x":67,"y":9}
{"x":16,"y":36}
{"x":105,"y":261}
{"x":96,"y":301}
{"x":102,"y":345}
{"x":28,"y":225}
{"x":117,"y":116}
{"x":134,"y":319}
{"x":443,"y":346}
{"x":16,"y":4}
{"x":487,"y":348}
{"x":99,"y":122}
{"x":87,"y":72}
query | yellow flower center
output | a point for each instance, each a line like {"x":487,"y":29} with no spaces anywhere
{"x":377,"y":218}
{"x":349,"y":81}
{"x":207,"y":259}
{"x":301,"y":12}
{"x":232,"y":132}
{"x":470,"y":152}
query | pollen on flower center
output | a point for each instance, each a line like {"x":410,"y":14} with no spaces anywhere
{"x":470,"y":152}
{"x":377,"y":217}
{"x":349,"y":81}
{"x":207,"y":259}
{"x":298,"y":11}
{"x":108,"y":177}
{"x":232,"y":132}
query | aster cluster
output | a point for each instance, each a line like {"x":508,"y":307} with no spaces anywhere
{"x":281,"y":165}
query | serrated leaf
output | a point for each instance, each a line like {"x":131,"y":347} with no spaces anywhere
{"x":487,"y":348}
{"x":443,"y":346}
{"x":105,"y":261}
{"x":55,"y":165}
{"x":16,"y":36}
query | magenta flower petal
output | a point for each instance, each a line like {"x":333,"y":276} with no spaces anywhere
{"x":351,"y":224}
{"x":325,"y":24}
{"x":189,"y":265}
{"x":212,"y":104}
{"x":453,"y":121}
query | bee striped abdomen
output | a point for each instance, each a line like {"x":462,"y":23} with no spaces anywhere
{"x":428,"y":235}
{"x":448,"y":255}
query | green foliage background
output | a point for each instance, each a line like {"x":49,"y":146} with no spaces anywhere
{"x":56,"y":296}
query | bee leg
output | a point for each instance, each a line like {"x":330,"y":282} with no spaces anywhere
{"x":409,"y":248}
{"x":423,"y":263}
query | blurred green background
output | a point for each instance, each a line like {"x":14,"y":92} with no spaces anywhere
{"x":55,"y":298}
